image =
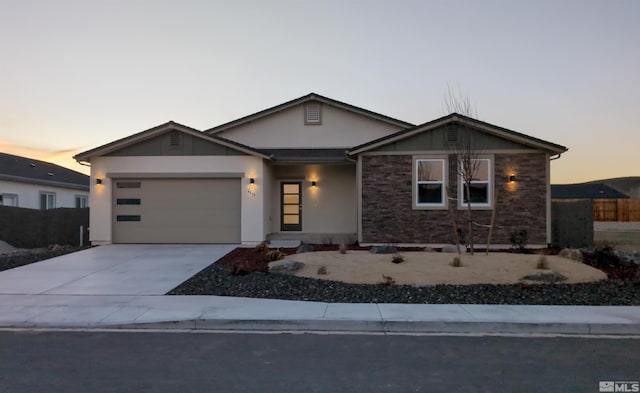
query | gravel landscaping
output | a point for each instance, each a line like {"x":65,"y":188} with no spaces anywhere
{"x":19,"y":257}
{"x":242,"y":273}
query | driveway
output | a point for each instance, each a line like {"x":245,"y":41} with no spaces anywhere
{"x":118,"y":269}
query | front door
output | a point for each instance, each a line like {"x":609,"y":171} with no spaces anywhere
{"x":291,"y":206}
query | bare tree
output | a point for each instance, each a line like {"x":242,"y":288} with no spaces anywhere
{"x":465,"y":152}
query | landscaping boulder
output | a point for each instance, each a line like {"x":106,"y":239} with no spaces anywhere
{"x":571,"y":253}
{"x":286,"y":267}
{"x":545,"y":276}
{"x":383,"y":250}
{"x":304,"y":248}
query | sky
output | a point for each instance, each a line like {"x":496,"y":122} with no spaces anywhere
{"x":75,"y":75}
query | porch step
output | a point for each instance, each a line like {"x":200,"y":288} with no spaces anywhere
{"x":284,"y":243}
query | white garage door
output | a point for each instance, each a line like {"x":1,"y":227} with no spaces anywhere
{"x":176,"y":211}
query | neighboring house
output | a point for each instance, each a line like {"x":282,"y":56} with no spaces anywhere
{"x":585,"y":191}
{"x":316,"y":168}
{"x":34,"y":184}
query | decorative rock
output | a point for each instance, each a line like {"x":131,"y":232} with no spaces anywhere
{"x":571,"y":253}
{"x":304,"y":248}
{"x":545,"y":276}
{"x":383,"y":250}
{"x":286,"y":267}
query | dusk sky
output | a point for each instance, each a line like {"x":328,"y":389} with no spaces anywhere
{"x":75,"y":75}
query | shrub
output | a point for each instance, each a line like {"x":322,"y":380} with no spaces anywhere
{"x":542,"y":263}
{"x":342,"y":248}
{"x":519,"y":239}
{"x":322,"y":270}
{"x":274,"y":255}
{"x":397,"y":258}
{"x":262,"y":247}
{"x":387,"y":280}
{"x":456,"y":262}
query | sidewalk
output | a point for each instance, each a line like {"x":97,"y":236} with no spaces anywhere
{"x":231,"y":313}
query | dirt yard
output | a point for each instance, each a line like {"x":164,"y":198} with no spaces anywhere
{"x":363,"y":267}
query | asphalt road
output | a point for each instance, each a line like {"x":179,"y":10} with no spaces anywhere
{"x":99,"y":362}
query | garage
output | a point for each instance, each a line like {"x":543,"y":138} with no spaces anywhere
{"x":176,"y":210}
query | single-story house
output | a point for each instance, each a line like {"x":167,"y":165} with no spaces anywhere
{"x":317,"y":168}
{"x":35,"y":184}
{"x":590,"y":190}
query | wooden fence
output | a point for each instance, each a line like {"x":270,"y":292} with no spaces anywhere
{"x":621,"y":210}
{"x":29,"y":228}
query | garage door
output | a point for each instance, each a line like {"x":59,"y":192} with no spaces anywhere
{"x":176,"y":211}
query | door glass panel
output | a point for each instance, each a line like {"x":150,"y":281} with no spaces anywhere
{"x":291,"y":188}
{"x":291,"y":219}
{"x":291,"y":209}
{"x":291,"y":199}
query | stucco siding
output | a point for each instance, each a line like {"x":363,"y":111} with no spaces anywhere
{"x":29,"y":194}
{"x":330,"y":207}
{"x":287,"y":129}
{"x":252,"y":207}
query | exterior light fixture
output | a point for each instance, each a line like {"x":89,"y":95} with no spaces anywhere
{"x":313,"y":184}
{"x":512,"y":178}
{"x":98,"y":181}
{"x":252,"y":181}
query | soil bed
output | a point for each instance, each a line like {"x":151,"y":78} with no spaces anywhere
{"x":217,"y":279}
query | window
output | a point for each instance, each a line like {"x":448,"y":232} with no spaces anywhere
{"x":480,"y":191}
{"x":82,"y":201}
{"x":430,"y":183}
{"x":128,"y":218}
{"x":128,"y":184}
{"x":128,"y":201}
{"x":313,"y":113}
{"x":47,"y":200}
{"x":8,"y":200}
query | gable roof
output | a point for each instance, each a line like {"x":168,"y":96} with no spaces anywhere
{"x":159,"y":130}
{"x":28,"y":170}
{"x":585,"y":191}
{"x":304,"y":99}
{"x":456,"y":118}
{"x":299,"y":156}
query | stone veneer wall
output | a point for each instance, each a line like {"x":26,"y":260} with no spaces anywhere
{"x":388,"y":216}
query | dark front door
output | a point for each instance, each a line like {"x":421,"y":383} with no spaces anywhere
{"x":291,"y":206}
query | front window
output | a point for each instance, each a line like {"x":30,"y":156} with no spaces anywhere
{"x":47,"y":200}
{"x":480,"y":185}
{"x":8,"y":200}
{"x":430,"y":182}
{"x":82,"y":201}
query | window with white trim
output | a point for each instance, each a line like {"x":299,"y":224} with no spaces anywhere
{"x":8,"y":200}
{"x":47,"y":200}
{"x":82,"y":201}
{"x":430,"y":183}
{"x":480,"y":187}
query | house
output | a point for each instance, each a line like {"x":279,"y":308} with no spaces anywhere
{"x":316,"y":168}
{"x":34,"y":184}
{"x":591,"y":190}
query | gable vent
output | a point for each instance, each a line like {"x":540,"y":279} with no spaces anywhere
{"x":175,"y":139}
{"x":452,"y":135}
{"x":313,"y":113}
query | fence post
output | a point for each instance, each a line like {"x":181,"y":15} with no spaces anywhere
{"x":81,"y":235}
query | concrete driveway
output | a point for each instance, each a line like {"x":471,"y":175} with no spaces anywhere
{"x":122,"y":269}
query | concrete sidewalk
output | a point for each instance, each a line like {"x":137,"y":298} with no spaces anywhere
{"x":231,"y":313}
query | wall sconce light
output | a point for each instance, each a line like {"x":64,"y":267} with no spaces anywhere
{"x":313,"y":184}
{"x":252,"y":181}
{"x":98,"y":181}
{"x":512,"y":178}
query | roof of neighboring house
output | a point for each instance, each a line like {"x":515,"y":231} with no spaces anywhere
{"x":301,"y":100}
{"x":161,"y":129}
{"x":28,"y":170}
{"x":307,"y":155}
{"x":456,"y":118}
{"x":585,"y":191}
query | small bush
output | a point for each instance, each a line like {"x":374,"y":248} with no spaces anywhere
{"x":397,"y":258}
{"x":342,"y":248}
{"x":387,"y":280}
{"x":456,"y":262}
{"x":262,"y":247}
{"x":519,"y":239}
{"x":274,"y":255}
{"x":542,"y":263}
{"x":322,"y":270}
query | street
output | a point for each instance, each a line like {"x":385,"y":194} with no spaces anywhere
{"x":94,"y":361}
